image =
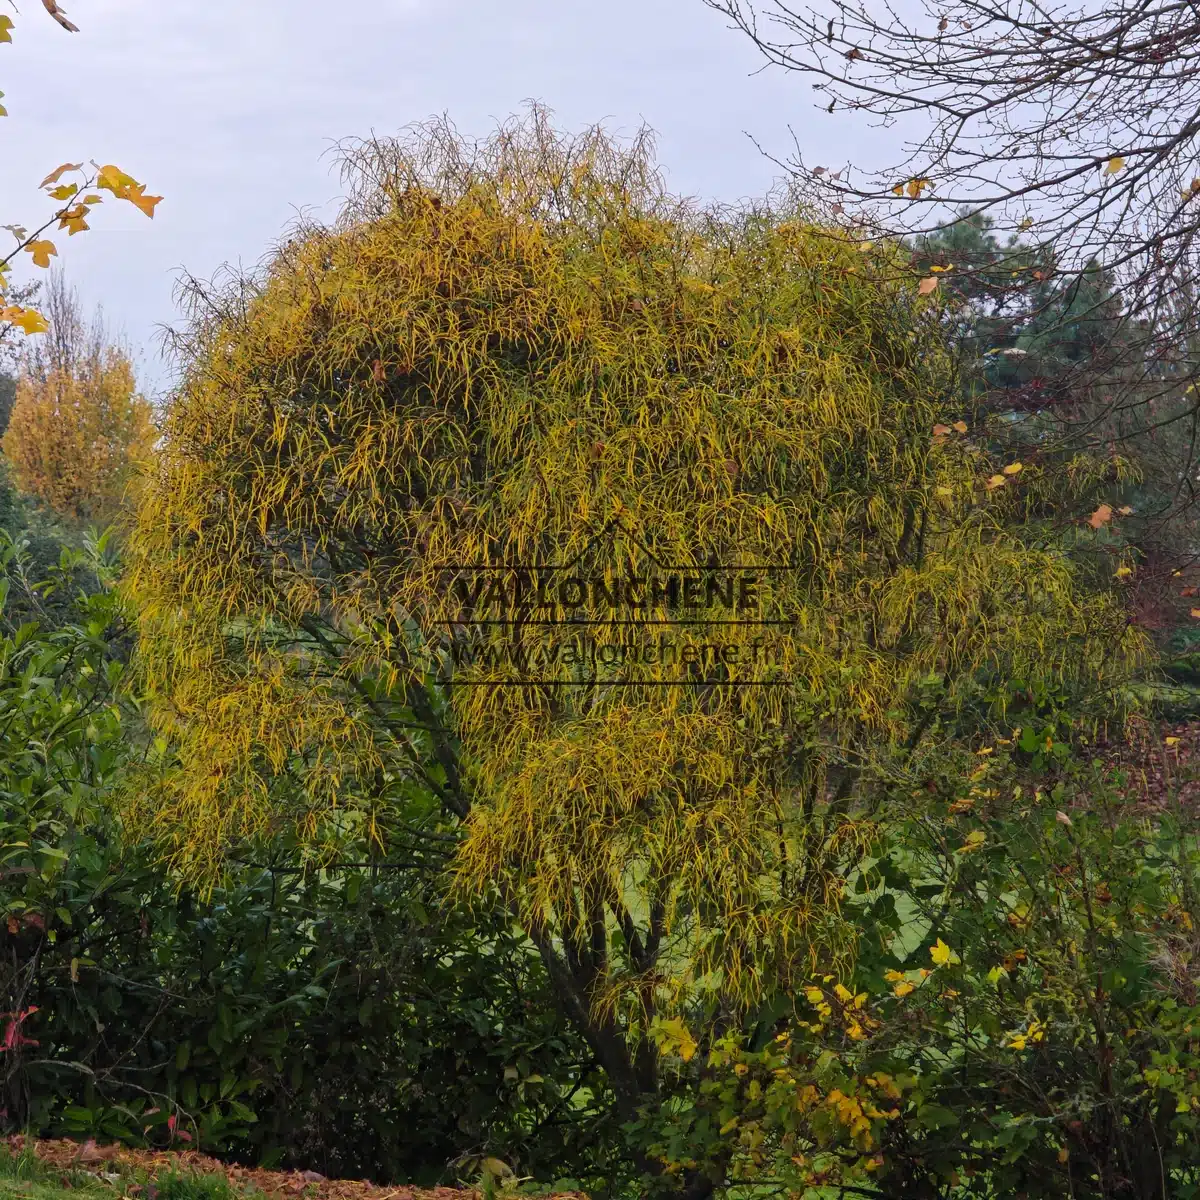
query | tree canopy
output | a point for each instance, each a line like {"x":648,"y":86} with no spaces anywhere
{"x":78,"y":423}
{"x":514,"y":352}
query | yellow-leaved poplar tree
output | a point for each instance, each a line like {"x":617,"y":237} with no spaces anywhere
{"x":526,"y":356}
{"x":78,"y":424}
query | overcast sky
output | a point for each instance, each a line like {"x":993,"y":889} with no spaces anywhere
{"x":228,"y":109}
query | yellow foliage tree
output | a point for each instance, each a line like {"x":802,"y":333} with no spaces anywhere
{"x":527,"y":352}
{"x":76,"y":430}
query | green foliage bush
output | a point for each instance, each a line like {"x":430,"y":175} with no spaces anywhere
{"x":1022,"y":1018}
{"x":344,"y":1019}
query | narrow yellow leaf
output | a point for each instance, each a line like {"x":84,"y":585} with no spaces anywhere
{"x":60,"y":15}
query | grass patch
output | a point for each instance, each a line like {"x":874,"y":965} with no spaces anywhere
{"x":23,"y":1176}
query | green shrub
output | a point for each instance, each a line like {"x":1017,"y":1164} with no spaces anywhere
{"x":1022,"y":1018}
{"x":346,"y":1019}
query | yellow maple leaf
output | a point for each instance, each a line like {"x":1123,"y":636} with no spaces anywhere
{"x":996,"y":481}
{"x":893,"y":976}
{"x":1113,"y":165}
{"x":1012,"y":468}
{"x":1125,"y":510}
{"x":5,"y":25}
{"x":917,"y":186}
{"x":42,"y":252}
{"x":927,"y":285}
{"x":679,"y":1038}
{"x":113,"y":179}
{"x":74,"y":220}
{"x":1172,"y":741}
{"x":941,"y":430}
{"x":139,"y":199}
{"x":960,"y":426}
{"x":1123,"y":572}
{"x":902,"y":989}
{"x":58,"y":173}
{"x":942,"y":954}
{"x":26,"y":319}
{"x":64,"y":191}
